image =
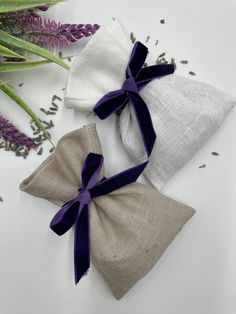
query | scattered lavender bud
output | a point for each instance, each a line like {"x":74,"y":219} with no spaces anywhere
{"x":161,"y":55}
{"x":202,"y":166}
{"x":43,"y":110}
{"x":54,"y":105}
{"x":55,"y":97}
{"x":40,"y":151}
{"x":132,"y":38}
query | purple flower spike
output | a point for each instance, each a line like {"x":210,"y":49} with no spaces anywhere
{"x":10,"y":133}
{"x":28,"y":25}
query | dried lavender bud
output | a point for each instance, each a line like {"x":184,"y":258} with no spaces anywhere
{"x":54,"y":105}
{"x":161,"y":55}
{"x":147,"y":39}
{"x":156,"y":42}
{"x":53,"y":109}
{"x":132,"y":38}
{"x":21,"y":84}
{"x":162,"y":21}
{"x":1,"y":199}
{"x":25,"y":153}
{"x":43,"y":110}
{"x":184,"y":61}
{"x":18,"y":154}
{"x":47,"y":125}
{"x":192,"y":73}
{"x":40,"y":151}
{"x":202,"y":166}
{"x":215,"y":154}
{"x":55,"y":97}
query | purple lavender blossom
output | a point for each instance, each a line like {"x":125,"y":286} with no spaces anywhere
{"x":43,"y":8}
{"x":29,"y":25}
{"x":10,"y":133}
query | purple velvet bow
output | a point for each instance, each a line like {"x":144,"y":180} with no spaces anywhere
{"x":137,"y":77}
{"x":76,"y":211}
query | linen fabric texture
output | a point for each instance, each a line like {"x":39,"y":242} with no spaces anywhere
{"x":129,"y":228}
{"x":185,"y":112}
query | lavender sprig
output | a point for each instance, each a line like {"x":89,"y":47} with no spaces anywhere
{"x":29,"y":25}
{"x":11,"y":134}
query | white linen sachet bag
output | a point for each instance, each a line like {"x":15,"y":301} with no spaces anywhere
{"x":185,"y":112}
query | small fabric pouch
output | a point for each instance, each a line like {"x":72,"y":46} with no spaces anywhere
{"x":130,"y":228}
{"x":184,"y":112}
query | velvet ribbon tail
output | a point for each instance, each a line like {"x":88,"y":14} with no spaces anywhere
{"x":77,"y":212}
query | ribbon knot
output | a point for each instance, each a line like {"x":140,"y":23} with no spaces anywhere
{"x":137,"y":77}
{"x":84,"y":196}
{"x":130,"y":85}
{"x":77,"y":212}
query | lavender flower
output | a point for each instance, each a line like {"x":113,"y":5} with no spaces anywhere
{"x":43,"y":8}
{"x":10,"y":133}
{"x":28,"y":25}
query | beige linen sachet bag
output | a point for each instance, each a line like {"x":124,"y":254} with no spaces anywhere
{"x":129,"y":228}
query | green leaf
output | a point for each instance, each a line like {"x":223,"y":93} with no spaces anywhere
{"x":5,"y":52}
{"x":21,"y":66}
{"x":9,"y":91}
{"x":1,"y":82}
{"x":15,"y":42}
{"x":15,"y":5}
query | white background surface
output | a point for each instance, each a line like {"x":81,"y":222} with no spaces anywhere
{"x":197,"y":274}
